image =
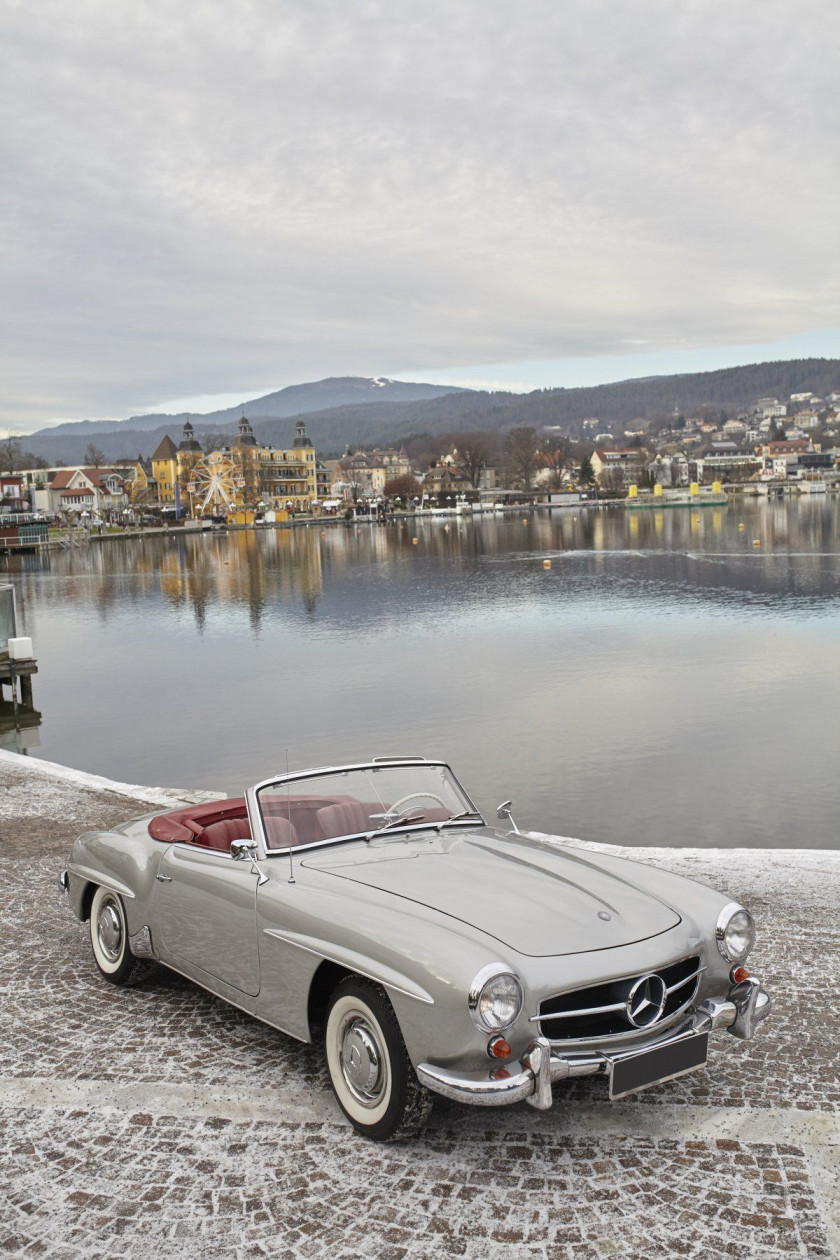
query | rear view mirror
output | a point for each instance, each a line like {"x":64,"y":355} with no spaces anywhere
{"x":504,"y":811}
{"x":243,"y":850}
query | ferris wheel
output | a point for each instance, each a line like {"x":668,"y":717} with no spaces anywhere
{"x":215,"y":481}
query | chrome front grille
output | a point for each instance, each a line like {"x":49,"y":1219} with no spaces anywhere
{"x":607,"y":1010}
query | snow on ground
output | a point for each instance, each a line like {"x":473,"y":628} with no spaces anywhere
{"x":158,"y":1120}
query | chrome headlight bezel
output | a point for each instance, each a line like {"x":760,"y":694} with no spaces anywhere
{"x":724,"y":923}
{"x":476,"y":999}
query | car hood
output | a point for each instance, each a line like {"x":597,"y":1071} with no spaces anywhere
{"x":537,"y":898}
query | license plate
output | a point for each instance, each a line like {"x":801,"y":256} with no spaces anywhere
{"x":660,"y":1064}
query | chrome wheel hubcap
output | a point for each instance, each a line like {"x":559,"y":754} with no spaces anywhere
{"x":109,"y":932}
{"x":362,"y":1061}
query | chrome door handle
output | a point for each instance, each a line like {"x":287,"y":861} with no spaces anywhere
{"x":164,"y":879}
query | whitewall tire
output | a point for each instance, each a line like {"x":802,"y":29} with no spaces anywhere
{"x":109,"y":939}
{"x":369,"y":1068}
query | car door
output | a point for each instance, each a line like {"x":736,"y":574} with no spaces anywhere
{"x":206,"y":915}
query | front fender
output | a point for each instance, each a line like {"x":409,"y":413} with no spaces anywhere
{"x":126,"y":865}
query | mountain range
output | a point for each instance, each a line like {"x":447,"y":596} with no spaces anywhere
{"x":363,"y":411}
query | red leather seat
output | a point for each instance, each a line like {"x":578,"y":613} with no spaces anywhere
{"x":188,"y":822}
{"x":347,"y":818}
{"x":218,"y":835}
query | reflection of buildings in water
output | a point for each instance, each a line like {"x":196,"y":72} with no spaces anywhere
{"x":244,"y":568}
{"x":193,"y":570}
{"x":701,"y":549}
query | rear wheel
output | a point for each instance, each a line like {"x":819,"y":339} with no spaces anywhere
{"x":370,"y":1071}
{"x":109,"y":940}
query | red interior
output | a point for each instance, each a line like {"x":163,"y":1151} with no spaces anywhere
{"x":292,"y":820}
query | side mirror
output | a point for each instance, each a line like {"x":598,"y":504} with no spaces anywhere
{"x":243,"y":850}
{"x":504,"y":811}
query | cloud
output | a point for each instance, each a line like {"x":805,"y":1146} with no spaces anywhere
{"x":235,"y":196}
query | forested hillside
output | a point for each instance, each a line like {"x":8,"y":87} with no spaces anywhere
{"x":372,"y":421}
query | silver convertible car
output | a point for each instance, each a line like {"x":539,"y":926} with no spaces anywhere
{"x":372,"y":907}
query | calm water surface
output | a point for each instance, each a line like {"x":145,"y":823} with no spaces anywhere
{"x":665,"y":682}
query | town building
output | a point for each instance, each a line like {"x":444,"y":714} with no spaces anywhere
{"x":630,"y":463}
{"x":365,"y":474}
{"x":726,"y":466}
{"x":12,"y":494}
{"x":781,"y":458}
{"x":243,"y":475}
{"x":446,"y":481}
{"x":770,"y":408}
{"x":97,"y":491}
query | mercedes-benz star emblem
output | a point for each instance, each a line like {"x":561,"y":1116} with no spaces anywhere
{"x":646,"y":1001}
{"x":602,"y":914}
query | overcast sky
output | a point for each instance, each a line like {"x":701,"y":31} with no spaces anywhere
{"x":217,"y":199}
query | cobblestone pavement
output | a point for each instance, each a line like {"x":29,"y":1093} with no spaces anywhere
{"x":159,"y":1121}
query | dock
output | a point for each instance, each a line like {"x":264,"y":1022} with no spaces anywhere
{"x":12,"y":672}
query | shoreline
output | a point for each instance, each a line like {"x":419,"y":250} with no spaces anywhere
{"x":735,"y":493}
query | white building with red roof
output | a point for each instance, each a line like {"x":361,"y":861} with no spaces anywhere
{"x":94,"y":490}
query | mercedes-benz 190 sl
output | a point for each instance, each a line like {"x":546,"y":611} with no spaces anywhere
{"x":372,"y":907}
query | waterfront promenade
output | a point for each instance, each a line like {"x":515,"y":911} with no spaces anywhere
{"x":159,"y":1121}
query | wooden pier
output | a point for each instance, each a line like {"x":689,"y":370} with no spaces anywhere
{"x":12,"y":672}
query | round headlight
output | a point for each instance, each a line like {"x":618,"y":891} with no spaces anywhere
{"x":735,"y":932}
{"x":495,"y":999}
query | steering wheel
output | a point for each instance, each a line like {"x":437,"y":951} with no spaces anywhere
{"x":412,"y":796}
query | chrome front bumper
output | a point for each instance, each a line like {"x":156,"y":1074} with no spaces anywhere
{"x":531,"y":1079}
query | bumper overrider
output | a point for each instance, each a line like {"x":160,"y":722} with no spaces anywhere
{"x":531,"y":1079}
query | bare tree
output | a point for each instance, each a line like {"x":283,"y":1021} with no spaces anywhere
{"x":612,"y":480}
{"x":94,"y":456}
{"x":553,"y":456}
{"x":521,"y":450}
{"x":211,"y":440}
{"x":473,"y":454}
{"x":404,"y":487}
{"x":10,"y":455}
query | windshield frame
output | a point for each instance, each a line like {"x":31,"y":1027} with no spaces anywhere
{"x":377,"y":763}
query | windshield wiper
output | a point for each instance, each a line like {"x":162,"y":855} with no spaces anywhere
{"x":401,"y":820}
{"x":467,"y":813}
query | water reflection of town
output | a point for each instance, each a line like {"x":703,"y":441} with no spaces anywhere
{"x":379,"y":571}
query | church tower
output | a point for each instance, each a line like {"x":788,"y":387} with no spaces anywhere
{"x":188,"y":442}
{"x":245,"y":436}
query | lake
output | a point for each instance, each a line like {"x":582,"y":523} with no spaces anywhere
{"x":666,"y":681}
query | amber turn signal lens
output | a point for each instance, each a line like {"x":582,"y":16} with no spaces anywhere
{"x":498,"y":1048}
{"x":500,"y":1074}
{"x":737,"y":974}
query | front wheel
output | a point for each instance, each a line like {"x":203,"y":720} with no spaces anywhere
{"x":369,"y":1067}
{"x":109,"y":940}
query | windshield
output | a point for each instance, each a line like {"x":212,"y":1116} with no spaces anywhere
{"x":333,"y":804}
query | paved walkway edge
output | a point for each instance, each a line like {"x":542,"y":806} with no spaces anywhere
{"x":684,"y":1122}
{"x":96,"y":783}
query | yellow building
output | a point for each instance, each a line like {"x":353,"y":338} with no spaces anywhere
{"x":242,"y":476}
{"x":140,"y":485}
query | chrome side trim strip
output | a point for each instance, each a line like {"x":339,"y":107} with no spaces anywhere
{"x":90,"y":876}
{"x":349,"y":961}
